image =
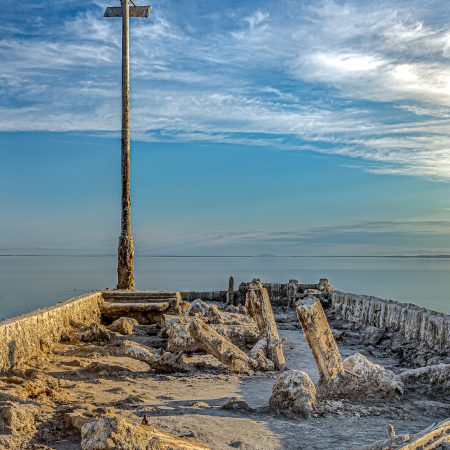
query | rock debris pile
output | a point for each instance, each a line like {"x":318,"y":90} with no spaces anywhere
{"x":172,"y":336}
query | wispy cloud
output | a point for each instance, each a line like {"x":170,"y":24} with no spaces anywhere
{"x":369,"y":82}
{"x":357,"y":238}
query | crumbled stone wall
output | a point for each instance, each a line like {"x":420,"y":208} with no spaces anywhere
{"x":413,"y":322}
{"x":28,"y":335}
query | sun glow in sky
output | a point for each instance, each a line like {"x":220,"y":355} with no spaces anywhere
{"x":288,"y":127}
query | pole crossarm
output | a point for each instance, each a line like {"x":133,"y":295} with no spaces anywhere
{"x":135,"y":11}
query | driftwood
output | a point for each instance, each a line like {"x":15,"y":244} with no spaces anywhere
{"x":428,"y":439}
{"x":259,"y":308}
{"x":160,"y":361}
{"x":320,"y":338}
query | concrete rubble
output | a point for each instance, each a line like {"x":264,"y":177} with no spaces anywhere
{"x":251,"y":336}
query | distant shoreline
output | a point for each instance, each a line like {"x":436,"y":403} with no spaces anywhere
{"x":6,"y":255}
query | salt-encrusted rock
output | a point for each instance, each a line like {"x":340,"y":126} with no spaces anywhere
{"x":259,"y":353}
{"x":242,"y":309}
{"x":236,"y":403}
{"x":198,"y":306}
{"x":363,"y":379}
{"x":179,"y":338}
{"x":433,"y":378}
{"x":165,"y":362}
{"x":94,"y":332}
{"x":232,"y":309}
{"x":293,"y":392}
{"x":124,"y":325}
{"x":313,"y":292}
{"x":16,"y":418}
{"x":120,"y":434}
{"x":372,"y":335}
{"x":78,"y":418}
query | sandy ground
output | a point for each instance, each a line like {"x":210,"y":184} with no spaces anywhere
{"x":190,"y":405}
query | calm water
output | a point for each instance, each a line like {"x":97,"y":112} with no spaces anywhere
{"x":31,"y":282}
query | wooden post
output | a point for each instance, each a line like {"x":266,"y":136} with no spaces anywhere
{"x":320,"y":338}
{"x":126,"y":246}
{"x":259,"y":307}
{"x":230,"y":292}
{"x":125,"y":278}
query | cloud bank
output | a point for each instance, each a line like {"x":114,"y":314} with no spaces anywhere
{"x":370,"y":82}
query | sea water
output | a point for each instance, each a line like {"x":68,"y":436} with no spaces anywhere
{"x":30,"y":282}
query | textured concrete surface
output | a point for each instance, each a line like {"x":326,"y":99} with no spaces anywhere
{"x":30,"y":334}
{"x":413,"y":322}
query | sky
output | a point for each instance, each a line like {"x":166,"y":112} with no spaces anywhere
{"x":288,"y":127}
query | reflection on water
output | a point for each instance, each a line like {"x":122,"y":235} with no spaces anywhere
{"x":31,"y":282}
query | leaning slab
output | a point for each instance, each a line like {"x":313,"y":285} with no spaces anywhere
{"x":224,"y":350}
{"x":28,"y":335}
{"x":259,"y":307}
{"x":320,"y":338}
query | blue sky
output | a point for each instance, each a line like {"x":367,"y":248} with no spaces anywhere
{"x":288,"y":127}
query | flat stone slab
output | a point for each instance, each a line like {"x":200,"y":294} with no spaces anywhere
{"x":113,"y":307}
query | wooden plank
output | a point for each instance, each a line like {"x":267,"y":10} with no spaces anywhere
{"x":135,"y":11}
{"x":430,"y":438}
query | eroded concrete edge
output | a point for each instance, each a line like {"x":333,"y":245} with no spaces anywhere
{"x":413,"y":322}
{"x":30,"y":334}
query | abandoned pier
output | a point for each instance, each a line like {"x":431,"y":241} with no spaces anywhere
{"x":316,"y":353}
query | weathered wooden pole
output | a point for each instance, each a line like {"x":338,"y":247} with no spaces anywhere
{"x":125,"y":277}
{"x":320,"y":338}
{"x":259,"y":307}
{"x":230,"y":291}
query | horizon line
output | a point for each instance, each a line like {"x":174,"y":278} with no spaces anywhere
{"x":104,"y":255}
